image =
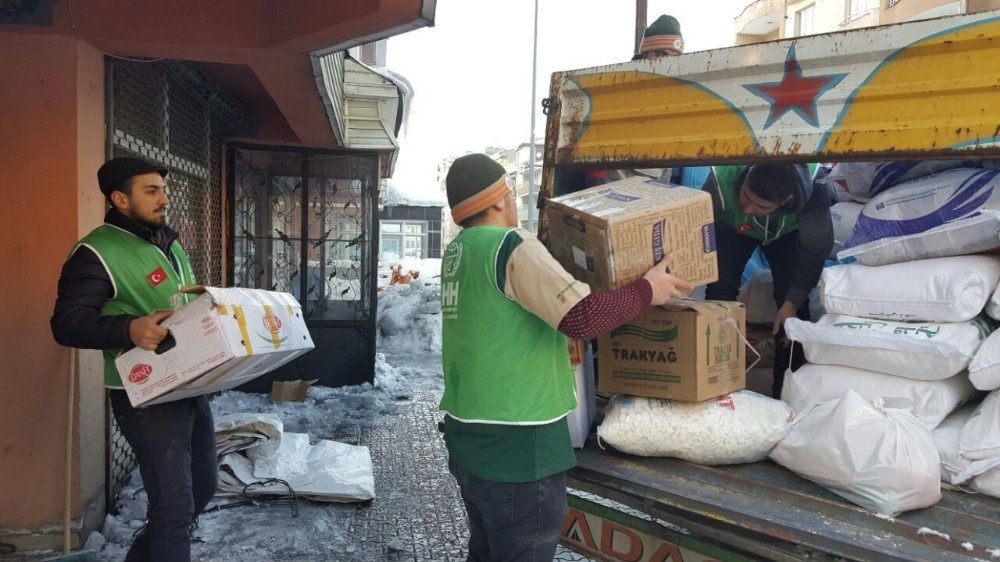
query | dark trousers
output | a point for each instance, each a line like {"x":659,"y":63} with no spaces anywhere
{"x":175,"y":446}
{"x":511,"y":522}
{"x":734,"y":250}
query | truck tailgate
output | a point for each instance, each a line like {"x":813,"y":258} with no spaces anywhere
{"x":765,"y":510}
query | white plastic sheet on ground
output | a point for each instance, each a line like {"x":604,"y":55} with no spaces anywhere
{"x":953,"y":289}
{"x":984,"y":369}
{"x":880,"y":458}
{"x":324,"y":471}
{"x":929,"y":401}
{"x":737,"y":428}
{"x":920,"y":351}
{"x":948,"y":214}
{"x":863,"y":180}
{"x":981,"y":435}
{"x":956,"y":469}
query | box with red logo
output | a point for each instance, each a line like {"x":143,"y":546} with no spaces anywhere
{"x":220,"y":340}
{"x":608,"y":236}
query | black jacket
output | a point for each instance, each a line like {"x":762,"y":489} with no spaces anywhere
{"x":84,"y":287}
{"x":814,"y":234}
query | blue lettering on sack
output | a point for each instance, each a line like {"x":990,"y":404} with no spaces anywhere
{"x":658,"y":229}
{"x":610,"y":194}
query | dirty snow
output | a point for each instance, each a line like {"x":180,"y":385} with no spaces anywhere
{"x":929,"y":531}
{"x":968,"y":546}
{"x":993,"y":552}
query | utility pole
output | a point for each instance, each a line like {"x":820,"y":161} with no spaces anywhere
{"x":640,"y":23}
{"x":531,"y":147}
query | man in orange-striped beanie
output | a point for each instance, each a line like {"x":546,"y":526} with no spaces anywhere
{"x":661,"y":39}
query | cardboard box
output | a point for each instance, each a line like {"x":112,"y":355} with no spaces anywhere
{"x":218,"y":341}
{"x":290,"y":391}
{"x":687,"y":350}
{"x":608,"y":236}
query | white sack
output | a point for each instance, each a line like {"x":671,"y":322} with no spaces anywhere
{"x":863,"y":180}
{"x":950,"y":214}
{"x":880,"y":458}
{"x":987,"y":483}
{"x":845,"y":216}
{"x":736,"y":428}
{"x":984,"y":369}
{"x":237,"y":432}
{"x":981,"y":434}
{"x":758,"y":296}
{"x":956,"y":469}
{"x":993,"y":305}
{"x":951,"y":289}
{"x":920,"y":351}
{"x":929,"y":401}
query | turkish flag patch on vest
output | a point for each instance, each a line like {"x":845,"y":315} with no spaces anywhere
{"x":157,"y":276}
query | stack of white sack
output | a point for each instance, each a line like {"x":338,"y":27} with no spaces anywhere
{"x":736,"y":428}
{"x":953,"y":213}
{"x":905,"y":331}
{"x":872,"y":454}
{"x":968,"y":443}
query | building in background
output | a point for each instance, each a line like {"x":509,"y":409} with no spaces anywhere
{"x":275,"y":138}
{"x":768,"y":20}
{"x":410,"y":226}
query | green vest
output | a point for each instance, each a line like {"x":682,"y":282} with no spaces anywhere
{"x":502,"y":364}
{"x":143,"y":278}
{"x":729,"y":192}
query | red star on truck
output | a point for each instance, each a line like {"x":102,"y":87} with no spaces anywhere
{"x":795,"y":92}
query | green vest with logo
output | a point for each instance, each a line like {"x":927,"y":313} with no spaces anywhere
{"x":142,"y":276}
{"x":502,"y":364}
{"x":729,"y":192}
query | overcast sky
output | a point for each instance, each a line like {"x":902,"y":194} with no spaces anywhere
{"x":471,"y":72}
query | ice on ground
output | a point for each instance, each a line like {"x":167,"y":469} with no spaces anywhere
{"x":409,"y":317}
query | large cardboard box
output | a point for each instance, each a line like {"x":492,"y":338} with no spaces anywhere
{"x":609,"y":235}
{"x":687,"y":350}
{"x":218,"y":341}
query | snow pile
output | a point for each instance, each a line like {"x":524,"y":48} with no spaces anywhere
{"x":737,"y":428}
{"x":397,"y":196}
{"x":409,"y":317}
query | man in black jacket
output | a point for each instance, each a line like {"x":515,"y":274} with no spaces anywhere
{"x":114,"y":291}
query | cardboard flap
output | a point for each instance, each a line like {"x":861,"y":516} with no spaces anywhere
{"x":713,"y":307}
{"x":241,"y":296}
{"x":290,"y":391}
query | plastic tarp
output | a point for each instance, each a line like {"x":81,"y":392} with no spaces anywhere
{"x":321,"y":471}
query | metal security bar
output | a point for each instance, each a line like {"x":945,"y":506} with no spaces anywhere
{"x":168,"y":112}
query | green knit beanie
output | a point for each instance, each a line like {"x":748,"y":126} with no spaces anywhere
{"x":663,"y":34}
{"x":474,"y":183}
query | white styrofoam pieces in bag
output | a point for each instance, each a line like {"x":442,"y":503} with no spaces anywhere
{"x":981,"y":435}
{"x":956,"y":469}
{"x":929,"y":401}
{"x":880,"y":458}
{"x":951,"y":289}
{"x":844,"y":216}
{"x":736,"y":428}
{"x":860,"y":181}
{"x":921,"y":351}
{"x":949,"y":214}
{"x":984,"y":369}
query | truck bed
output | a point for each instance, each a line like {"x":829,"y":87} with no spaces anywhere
{"x":763,"y":511}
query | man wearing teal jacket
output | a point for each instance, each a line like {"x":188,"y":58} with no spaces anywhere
{"x":114,"y":291}
{"x":507,"y":308}
{"x":780,"y":210}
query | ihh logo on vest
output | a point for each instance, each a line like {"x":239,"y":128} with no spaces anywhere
{"x":449,"y":300}
{"x":452,"y":260}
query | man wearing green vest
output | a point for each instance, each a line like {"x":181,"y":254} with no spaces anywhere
{"x":507,"y":308}
{"x":780,"y":210}
{"x":114,"y":291}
